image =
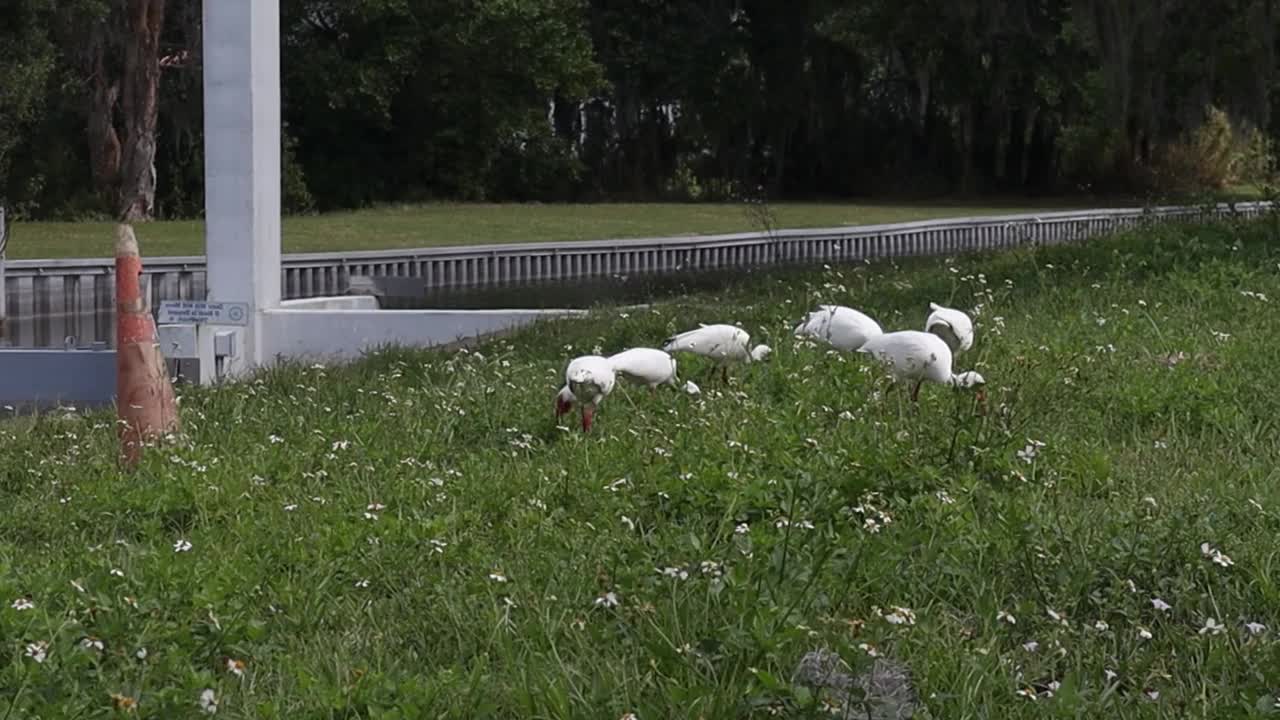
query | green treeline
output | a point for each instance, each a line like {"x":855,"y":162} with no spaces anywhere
{"x":411,"y":100}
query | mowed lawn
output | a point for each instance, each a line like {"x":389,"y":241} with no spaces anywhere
{"x":472,"y":224}
{"x":412,"y":536}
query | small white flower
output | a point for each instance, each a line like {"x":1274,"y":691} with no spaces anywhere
{"x":235,"y":667}
{"x":900,"y":616}
{"x":742,"y":529}
{"x":1101,"y":626}
{"x":116,"y":572}
{"x":692,"y":388}
{"x":90,"y":642}
{"x":497,"y":577}
{"x":38,"y":651}
{"x":1058,"y":617}
{"x":141,"y":654}
{"x":1110,"y":674}
{"x":362,"y":583}
{"x":869,"y":649}
{"x":208,"y":701}
{"x":631,"y":524}
{"x":1002,"y":616}
{"x":1144,"y":634}
{"x":22,"y":604}
{"x":181,"y":546}
{"x":275,"y":439}
{"x":1151,"y":694}
{"x":674,"y":572}
{"x":944,"y":497}
{"x":290,"y":507}
{"x":1027,"y":693}
{"x":608,"y":600}
{"x":1160,"y":605}
{"x":1216,"y":556}
{"x":629,"y":716}
{"x":1255,"y":628}
{"x":1031,"y":646}
{"x":1211,"y":627}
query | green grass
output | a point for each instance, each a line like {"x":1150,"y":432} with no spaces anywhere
{"x":471,"y":224}
{"x":411,"y":537}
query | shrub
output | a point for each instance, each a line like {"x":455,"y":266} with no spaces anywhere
{"x":1216,"y":154}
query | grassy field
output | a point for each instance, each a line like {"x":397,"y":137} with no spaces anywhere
{"x":412,"y":537}
{"x":459,"y":224}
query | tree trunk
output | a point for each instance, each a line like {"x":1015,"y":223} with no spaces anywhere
{"x":104,"y":142}
{"x":140,"y":105}
{"x":124,"y":81}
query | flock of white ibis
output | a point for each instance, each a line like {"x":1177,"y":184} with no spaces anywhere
{"x":910,"y":355}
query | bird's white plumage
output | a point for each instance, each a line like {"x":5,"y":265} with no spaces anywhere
{"x":953,"y":326}
{"x":723,"y":343}
{"x":921,"y":356}
{"x":842,"y":327}
{"x":645,"y":366}
{"x":590,"y":379}
{"x":911,"y":354}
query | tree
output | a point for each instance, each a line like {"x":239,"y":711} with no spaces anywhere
{"x":27,"y":60}
{"x":122,"y":67}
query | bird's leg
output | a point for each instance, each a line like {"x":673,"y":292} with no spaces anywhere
{"x":915,"y":391}
{"x":982,"y":401}
{"x":588,"y":413}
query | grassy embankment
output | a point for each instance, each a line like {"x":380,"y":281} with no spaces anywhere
{"x":412,"y":533}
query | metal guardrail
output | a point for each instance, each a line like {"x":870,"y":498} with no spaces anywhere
{"x":52,"y":301}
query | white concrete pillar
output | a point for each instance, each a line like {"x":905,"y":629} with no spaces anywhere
{"x":242,"y":164}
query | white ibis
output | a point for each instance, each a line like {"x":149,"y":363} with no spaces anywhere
{"x":724,"y":344}
{"x":921,"y":356}
{"x":841,"y":327}
{"x":954,"y":327}
{"x":588,"y":380}
{"x":645,"y":366}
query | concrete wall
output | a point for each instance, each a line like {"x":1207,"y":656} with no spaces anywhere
{"x":47,"y":378}
{"x":341,"y":335}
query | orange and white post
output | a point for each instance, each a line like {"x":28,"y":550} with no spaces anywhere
{"x":145,"y":402}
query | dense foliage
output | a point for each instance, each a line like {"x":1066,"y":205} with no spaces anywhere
{"x":412,"y":537}
{"x":389,"y":100}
